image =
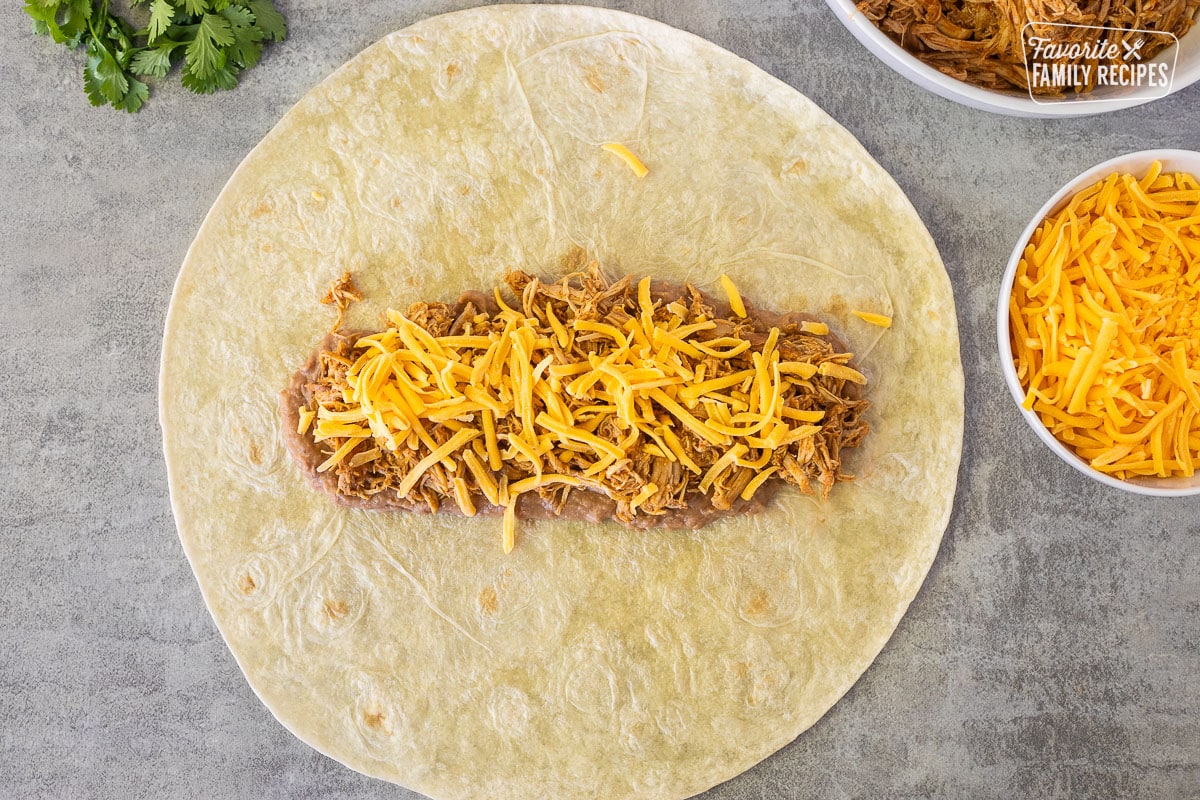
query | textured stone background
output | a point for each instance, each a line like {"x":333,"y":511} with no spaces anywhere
{"x":1053,"y":652}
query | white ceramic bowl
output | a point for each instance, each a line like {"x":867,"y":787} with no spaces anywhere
{"x":1187,"y":72}
{"x":1136,"y":164}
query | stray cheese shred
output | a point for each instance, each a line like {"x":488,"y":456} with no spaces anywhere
{"x":882,"y":320}
{"x":626,"y":155}
{"x":1105,"y":324}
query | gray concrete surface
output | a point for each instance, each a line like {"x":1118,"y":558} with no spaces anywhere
{"x":1053,"y":652}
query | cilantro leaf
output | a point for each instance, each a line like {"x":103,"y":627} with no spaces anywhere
{"x":66,"y":21}
{"x":268,"y":20}
{"x":205,"y":55}
{"x":247,"y":39}
{"x":223,"y":78}
{"x":161,"y":14}
{"x":41,"y":12}
{"x":105,"y":74}
{"x":195,"y":7}
{"x":238,"y":17}
{"x":154,"y":61}
{"x":134,"y":97}
{"x":43,"y":16}
{"x":91,"y":85}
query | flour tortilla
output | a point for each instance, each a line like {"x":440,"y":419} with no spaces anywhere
{"x":593,"y":661}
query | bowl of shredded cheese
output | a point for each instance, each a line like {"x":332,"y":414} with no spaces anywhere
{"x":972,"y":53}
{"x":1099,"y":323}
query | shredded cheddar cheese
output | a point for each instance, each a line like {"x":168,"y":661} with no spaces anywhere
{"x":882,"y":320}
{"x":460,"y":411}
{"x":626,"y":155}
{"x":1105,"y":324}
{"x":735,"y":299}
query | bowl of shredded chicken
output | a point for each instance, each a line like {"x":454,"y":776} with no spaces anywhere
{"x":1099,"y":323}
{"x":977,"y":54}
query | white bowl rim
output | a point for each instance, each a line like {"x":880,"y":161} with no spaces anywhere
{"x":1080,"y":181}
{"x":914,"y":69}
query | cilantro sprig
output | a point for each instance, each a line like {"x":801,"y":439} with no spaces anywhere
{"x":213,"y":39}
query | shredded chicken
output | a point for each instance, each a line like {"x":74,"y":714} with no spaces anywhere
{"x":342,"y":292}
{"x":979,"y":41}
{"x":812,"y":463}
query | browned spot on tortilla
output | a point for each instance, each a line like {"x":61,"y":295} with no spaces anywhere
{"x":261,"y":210}
{"x":376,"y":721}
{"x":416,"y":39}
{"x":464,"y":190}
{"x":796,"y":167}
{"x":759,"y":603}
{"x":395,"y":202}
{"x":452,"y":69}
{"x":762,"y":688}
{"x":488,"y":602}
{"x":247,"y":584}
{"x":741,"y":669}
{"x":266,"y":247}
{"x":254,"y":453}
{"x":594,"y":81}
{"x":573,"y":260}
{"x":336,"y":609}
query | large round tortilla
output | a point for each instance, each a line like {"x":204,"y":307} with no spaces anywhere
{"x":593,"y":661}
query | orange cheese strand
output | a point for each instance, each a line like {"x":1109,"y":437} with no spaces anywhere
{"x":625,"y":154}
{"x":1105,"y":324}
